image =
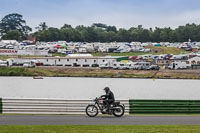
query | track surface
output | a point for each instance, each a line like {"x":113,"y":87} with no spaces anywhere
{"x":99,"y":120}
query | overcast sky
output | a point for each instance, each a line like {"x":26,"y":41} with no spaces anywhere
{"x":121,"y":13}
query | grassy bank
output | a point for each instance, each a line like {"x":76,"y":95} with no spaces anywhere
{"x":166,"y":50}
{"x":154,"y":51}
{"x":99,"y":129}
{"x":5,"y":71}
{"x":95,"y":72}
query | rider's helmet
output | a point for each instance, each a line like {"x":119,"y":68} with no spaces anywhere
{"x":106,"y":89}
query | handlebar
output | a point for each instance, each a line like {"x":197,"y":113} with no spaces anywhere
{"x":98,"y":99}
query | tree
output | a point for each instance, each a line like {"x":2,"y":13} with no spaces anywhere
{"x":42,"y":26}
{"x":92,"y":34}
{"x":165,"y":34}
{"x":99,"y":32}
{"x":14,"y":21}
{"x":134,"y":34}
{"x":156,"y":35}
{"x":66,"y":26}
{"x":124,"y":35}
{"x":112,"y":28}
{"x":12,"y":35}
{"x":83,"y":33}
{"x":67,"y":34}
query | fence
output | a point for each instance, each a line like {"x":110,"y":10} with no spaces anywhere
{"x":1,"y":106}
{"x":48,"y":106}
{"x":64,"y":106}
{"x":164,"y":106}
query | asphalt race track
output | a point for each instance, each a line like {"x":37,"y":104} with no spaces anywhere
{"x":99,"y":120}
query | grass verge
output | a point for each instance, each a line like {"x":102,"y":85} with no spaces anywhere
{"x":154,"y":51}
{"x":95,"y":72}
{"x":100,"y":129}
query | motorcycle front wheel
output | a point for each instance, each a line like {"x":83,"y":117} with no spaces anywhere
{"x":91,"y":110}
{"x":118,"y":111}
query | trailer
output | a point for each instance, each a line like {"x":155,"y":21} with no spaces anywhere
{"x":142,"y":65}
{"x":179,"y":65}
{"x":28,"y":63}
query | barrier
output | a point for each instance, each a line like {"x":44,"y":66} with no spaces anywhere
{"x":164,"y":106}
{"x":65,"y":106}
{"x":48,"y":106}
{"x":1,"y":105}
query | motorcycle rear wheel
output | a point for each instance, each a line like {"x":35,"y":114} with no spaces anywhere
{"x":91,"y":110}
{"x":119,"y":111}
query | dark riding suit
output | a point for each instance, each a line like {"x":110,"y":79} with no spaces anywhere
{"x":108,"y":99}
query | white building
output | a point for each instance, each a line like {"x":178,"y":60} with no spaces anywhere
{"x":71,"y":61}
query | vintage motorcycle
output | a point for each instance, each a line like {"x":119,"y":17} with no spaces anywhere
{"x":115,"y":108}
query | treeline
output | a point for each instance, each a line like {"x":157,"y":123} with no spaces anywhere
{"x":13,"y":26}
{"x":104,"y":33}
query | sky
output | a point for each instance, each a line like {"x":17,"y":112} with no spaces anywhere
{"x":120,"y":13}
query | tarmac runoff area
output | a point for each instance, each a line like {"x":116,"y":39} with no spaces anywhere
{"x":99,"y":120}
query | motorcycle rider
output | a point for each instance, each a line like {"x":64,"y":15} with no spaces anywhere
{"x":108,"y":98}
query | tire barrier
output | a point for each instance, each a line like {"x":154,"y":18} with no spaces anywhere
{"x":164,"y":106}
{"x":48,"y":106}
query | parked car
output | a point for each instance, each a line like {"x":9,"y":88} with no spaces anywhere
{"x":133,"y":58}
{"x":154,"y":67}
{"x":167,"y":57}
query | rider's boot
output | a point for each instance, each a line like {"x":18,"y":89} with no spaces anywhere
{"x":108,"y":111}
{"x":104,"y":109}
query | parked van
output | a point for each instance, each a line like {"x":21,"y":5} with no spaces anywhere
{"x":105,"y":65}
{"x":131,"y":65}
{"x":178,"y":65}
{"x":28,"y":63}
{"x":119,"y":65}
{"x":142,"y":65}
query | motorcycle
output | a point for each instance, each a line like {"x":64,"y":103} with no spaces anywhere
{"x":115,"y":108}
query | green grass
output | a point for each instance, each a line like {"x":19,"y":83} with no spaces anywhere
{"x":100,"y":129}
{"x":121,"y":54}
{"x":81,"y":72}
{"x":155,"y":51}
{"x":57,"y":54}
{"x":3,"y":57}
{"x":5,"y":71}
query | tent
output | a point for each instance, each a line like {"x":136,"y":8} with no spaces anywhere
{"x":64,"y":46}
{"x":157,"y":45}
